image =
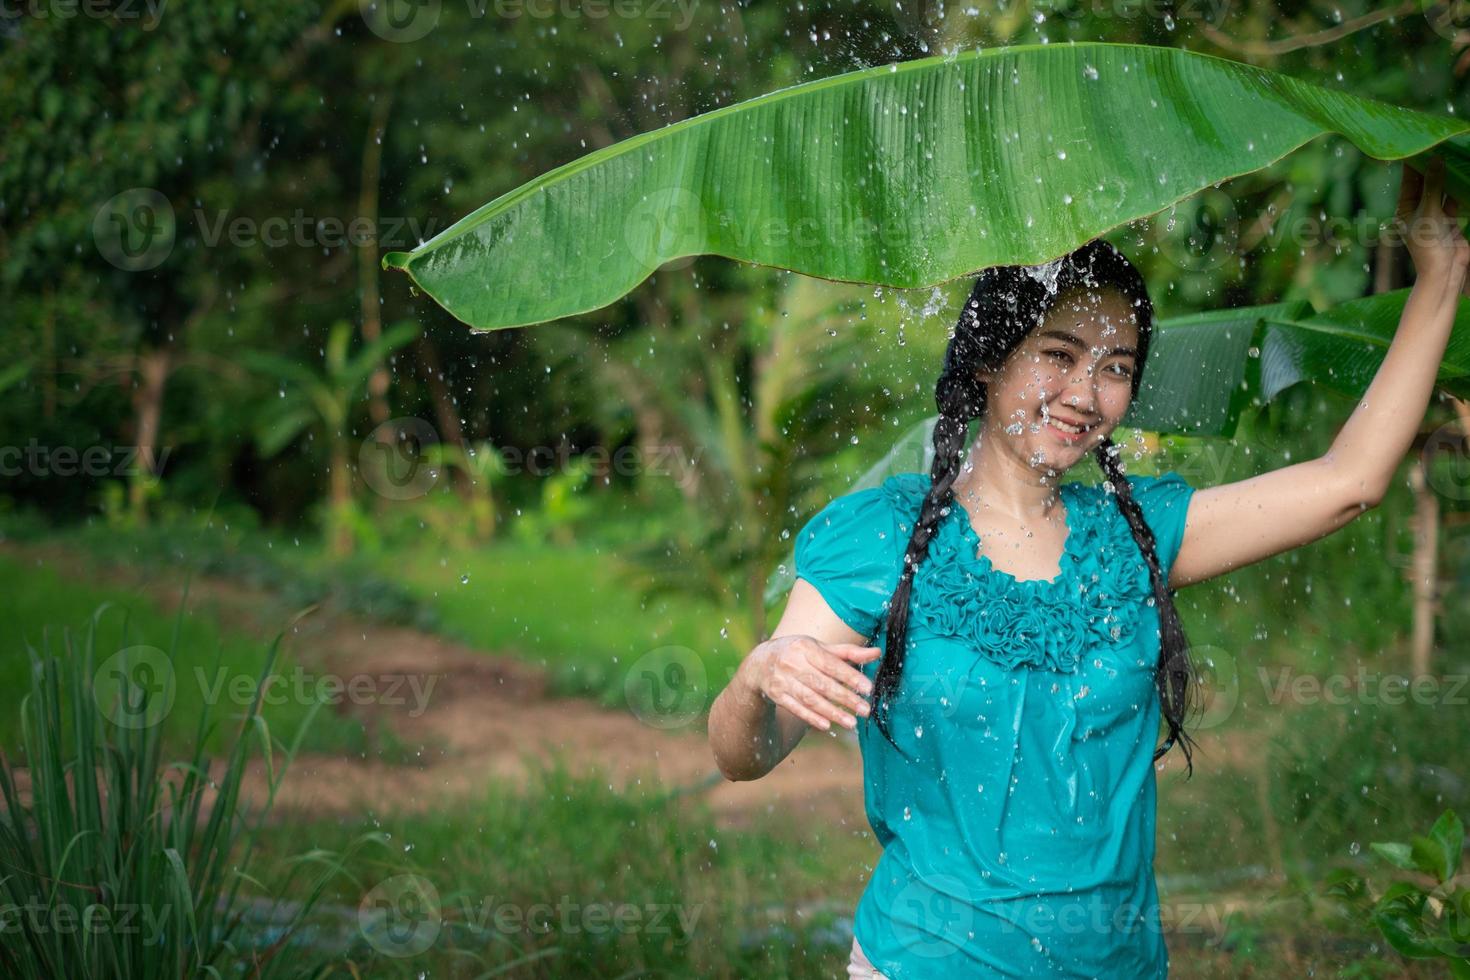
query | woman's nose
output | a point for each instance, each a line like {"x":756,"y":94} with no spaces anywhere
{"x":1081,"y":393}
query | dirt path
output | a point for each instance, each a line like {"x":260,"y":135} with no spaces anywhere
{"x":484,"y":717}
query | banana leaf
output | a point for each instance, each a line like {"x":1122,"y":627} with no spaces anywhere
{"x":905,"y":175}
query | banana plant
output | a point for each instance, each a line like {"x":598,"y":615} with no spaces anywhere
{"x":745,"y":428}
{"x":480,"y":466}
{"x":321,"y":401}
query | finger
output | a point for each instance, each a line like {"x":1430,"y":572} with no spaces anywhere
{"x":821,"y":706}
{"x":840,"y":672}
{"x":801,"y":711}
{"x":854,"y":652}
{"x":834,"y":691}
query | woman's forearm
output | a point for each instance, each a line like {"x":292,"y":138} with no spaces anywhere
{"x":1381,"y":429}
{"x":744,"y":734}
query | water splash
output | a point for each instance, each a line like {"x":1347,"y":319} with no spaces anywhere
{"x":1047,"y":273}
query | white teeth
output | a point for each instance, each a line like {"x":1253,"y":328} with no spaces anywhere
{"x":1064,"y":426}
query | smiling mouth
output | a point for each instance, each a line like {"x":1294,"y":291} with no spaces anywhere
{"x":1068,"y":428}
{"x":1065,"y":428}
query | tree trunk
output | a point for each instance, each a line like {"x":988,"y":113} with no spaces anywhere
{"x":339,"y":534}
{"x":1426,"y":552}
{"x":153,"y":369}
{"x":444,"y":411}
{"x":1386,"y":269}
{"x":367,"y":259}
{"x":48,"y":359}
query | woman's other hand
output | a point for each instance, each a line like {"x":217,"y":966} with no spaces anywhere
{"x":815,"y":681}
{"x":1428,"y":220}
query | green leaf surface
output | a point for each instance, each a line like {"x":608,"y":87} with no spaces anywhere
{"x":1430,"y":857}
{"x":1449,"y":832}
{"x":1204,"y":369}
{"x":904,"y":175}
{"x":1396,"y":854}
{"x":1399,"y":916}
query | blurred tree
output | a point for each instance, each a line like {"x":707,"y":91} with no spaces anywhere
{"x":321,"y":402}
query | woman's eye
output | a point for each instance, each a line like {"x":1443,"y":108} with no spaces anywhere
{"x":1122,"y":370}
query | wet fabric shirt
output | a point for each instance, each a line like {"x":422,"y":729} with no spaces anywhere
{"x":1017,"y":813}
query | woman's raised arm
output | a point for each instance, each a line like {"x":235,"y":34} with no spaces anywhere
{"x":1235,"y":524}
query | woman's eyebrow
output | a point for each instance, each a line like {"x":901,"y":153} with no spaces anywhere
{"x":1072,"y":339}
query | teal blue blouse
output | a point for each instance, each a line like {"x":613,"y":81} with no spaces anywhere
{"x":1017,"y":823}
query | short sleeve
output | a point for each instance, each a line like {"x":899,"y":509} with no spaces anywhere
{"x":848,"y":552}
{"x":1165,"y":502}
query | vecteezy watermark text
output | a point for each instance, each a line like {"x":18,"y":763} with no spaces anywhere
{"x":298,"y":686}
{"x":404,"y":915}
{"x":35,"y":459}
{"x":1365,"y":688}
{"x":147,"y":13}
{"x":42,"y":916}
{"x":136,"y":230}
{"x":404,"y":21}
{"x":136,"y":687}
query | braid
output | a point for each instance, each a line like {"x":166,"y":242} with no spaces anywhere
{"x":1174,"y":673}
{"x":960,"y":398}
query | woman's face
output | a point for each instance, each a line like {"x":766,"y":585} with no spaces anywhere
{"x":1075,"y":367}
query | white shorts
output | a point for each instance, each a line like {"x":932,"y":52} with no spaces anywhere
{"x":858,"y":967}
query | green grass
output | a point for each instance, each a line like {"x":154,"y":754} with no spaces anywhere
{"x":568,"y":609}
{"x":129,"y":860}
{"x":211,"y":664}
{"x":573,"y":609}
{"x":515,"y":874}
{"x":291,"y":568}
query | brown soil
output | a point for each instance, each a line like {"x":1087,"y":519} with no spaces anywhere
{"x":486,"y":717}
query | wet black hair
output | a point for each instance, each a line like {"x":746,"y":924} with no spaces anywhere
{"x":1006,"y":303}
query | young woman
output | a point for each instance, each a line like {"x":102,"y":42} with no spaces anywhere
{"x":1029,"y":642}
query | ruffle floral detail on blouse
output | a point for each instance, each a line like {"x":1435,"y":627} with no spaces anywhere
{"x":1093,"y":602}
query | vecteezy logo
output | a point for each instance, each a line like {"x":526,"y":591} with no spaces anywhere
{"x":1219,"y":680}
{"x":666,"y":687}
{"x":135,"y":687}
{"x":1201,"y":231}
{"x":932,"y":915}
{"x":400,"y":20}
{"x":134,"y":230}
{"x":659,"y":222}
{"x":1446,"y":459}
{"x":401,"y":916}
{"x":393,"y":459}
